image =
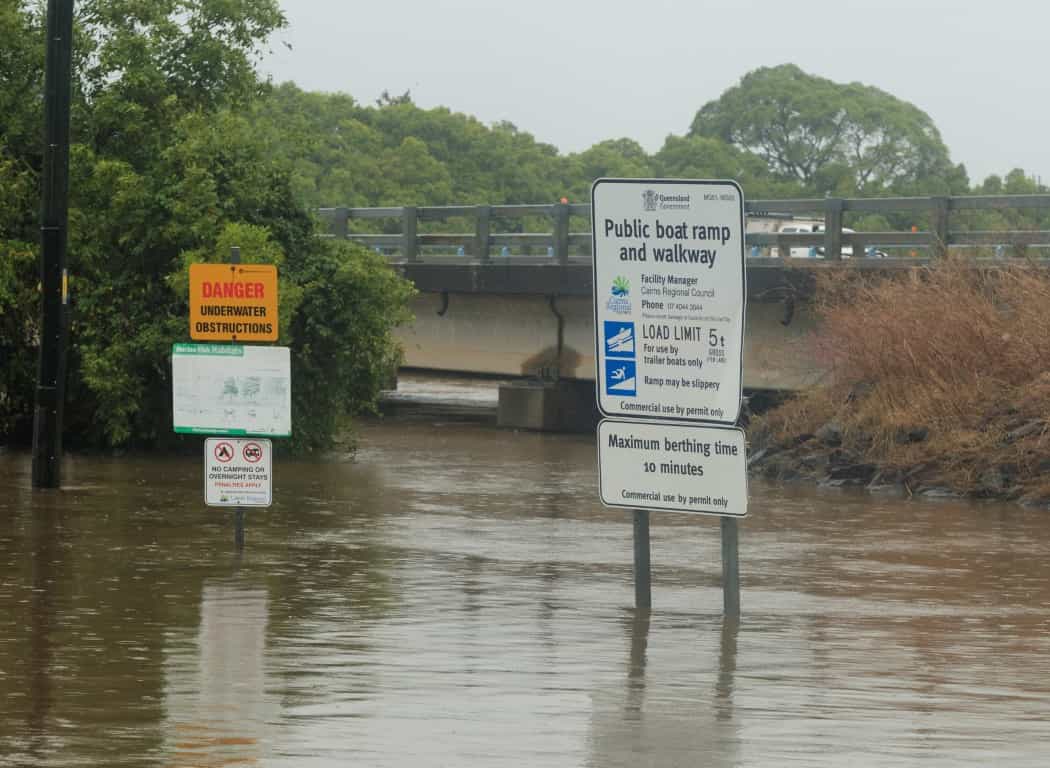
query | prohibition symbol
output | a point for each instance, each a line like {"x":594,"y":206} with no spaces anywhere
{"x":252,"y":452}
{"x":224,"y":451}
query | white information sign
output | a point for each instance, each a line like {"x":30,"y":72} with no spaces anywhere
{"x":669,"y":298}
{"x":238,"y":472}
{"x":231,"y":389}
{"x":673,"y":467}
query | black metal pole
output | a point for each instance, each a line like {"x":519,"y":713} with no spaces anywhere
{"x":238,"y":512}
{"x":643,"y":593}
{"x":730,"y":566}
{"x":50,"y":390}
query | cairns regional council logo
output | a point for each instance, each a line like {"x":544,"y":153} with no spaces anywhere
{"x":618,"y":301}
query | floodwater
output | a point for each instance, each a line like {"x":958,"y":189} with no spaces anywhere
{"x":456,"y":596}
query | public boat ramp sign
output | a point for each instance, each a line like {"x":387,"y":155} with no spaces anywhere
{"x":669,"y":308}
{"x":669,"y":298}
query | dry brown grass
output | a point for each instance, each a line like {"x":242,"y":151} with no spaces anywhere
{"x":963,"y":353}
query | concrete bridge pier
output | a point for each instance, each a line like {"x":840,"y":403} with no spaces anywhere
{"x":566,"y":405}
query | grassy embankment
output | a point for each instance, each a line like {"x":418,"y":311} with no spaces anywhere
{"x":939,"y":383}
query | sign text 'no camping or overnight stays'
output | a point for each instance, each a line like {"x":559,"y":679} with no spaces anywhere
{"x":233,"y":302}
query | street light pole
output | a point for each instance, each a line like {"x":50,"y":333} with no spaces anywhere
{"x":50,"y":389}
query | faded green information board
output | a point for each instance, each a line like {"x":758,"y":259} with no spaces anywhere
{"x":231,"y":389}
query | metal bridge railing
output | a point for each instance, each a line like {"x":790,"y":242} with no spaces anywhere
{"x":561,"y":246}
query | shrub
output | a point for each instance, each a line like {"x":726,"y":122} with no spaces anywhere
{"x":956,"y":353}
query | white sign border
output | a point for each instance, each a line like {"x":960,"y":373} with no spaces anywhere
{"x":595,"y":299}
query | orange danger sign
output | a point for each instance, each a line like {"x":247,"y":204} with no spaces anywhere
{"x":233,"y":302}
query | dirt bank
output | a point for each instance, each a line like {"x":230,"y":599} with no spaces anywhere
{"x":939,"y":386}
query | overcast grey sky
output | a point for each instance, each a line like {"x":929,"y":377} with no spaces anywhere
{"x":575,"y":72}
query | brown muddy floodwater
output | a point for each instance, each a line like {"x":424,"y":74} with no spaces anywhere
{"x":456,"y":596}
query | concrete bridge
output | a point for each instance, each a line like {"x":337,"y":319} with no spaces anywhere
{"x":517,"y":301}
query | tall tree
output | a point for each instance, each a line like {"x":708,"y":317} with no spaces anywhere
{"x":831,"y":137}
{"x":620,"y":158}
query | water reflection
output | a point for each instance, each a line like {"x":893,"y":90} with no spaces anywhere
{"x":46,"y":568}
{"x":669,"y":716}
{"x":726,"y":667}
{"x":216,"y":694}
{"x":639,"y":637}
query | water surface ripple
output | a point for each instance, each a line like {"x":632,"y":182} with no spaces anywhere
{"x":457,"y":597}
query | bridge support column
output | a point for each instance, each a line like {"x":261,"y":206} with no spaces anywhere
{"x":567,"y":405}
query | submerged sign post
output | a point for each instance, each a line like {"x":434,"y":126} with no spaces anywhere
{"x":232,"y":390}
{"x":669,"y":288}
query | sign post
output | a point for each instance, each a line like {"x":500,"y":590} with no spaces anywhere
{"x":235,"y":259}
{"x":730,"y":567}
{"x":230,"y":389}
{"x":669,"y":287}
{"x":643,"y":581}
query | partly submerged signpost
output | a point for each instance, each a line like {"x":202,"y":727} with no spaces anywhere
{"x":669,"y":288}
{"x":233,"y":390}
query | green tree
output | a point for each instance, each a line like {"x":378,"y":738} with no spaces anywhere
{"x":613,"y":158}
{"x":831,"y":137}
{"x":343,"y":349}
{"x":396,"y":153}
{"x":169,"y":167}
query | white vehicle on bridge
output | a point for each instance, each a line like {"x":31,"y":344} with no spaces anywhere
{"x":798,"y":227}
{"x":817,"y":251}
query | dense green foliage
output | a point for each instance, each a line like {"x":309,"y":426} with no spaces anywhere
{"x":180,"y":150}
{"x":168,"y":168}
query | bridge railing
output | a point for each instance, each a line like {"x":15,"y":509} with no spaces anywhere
{"x":559,"y":245}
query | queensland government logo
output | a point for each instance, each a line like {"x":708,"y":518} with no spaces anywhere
{"x":618,"y":301}
{"x":656,"y":201}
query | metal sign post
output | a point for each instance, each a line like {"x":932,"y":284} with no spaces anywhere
{"x":239,"y":392}
{"x":643,"y":590}
{"x":669,"y":308}
{"x":238,"y":512}
{"x":730,"y":567}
